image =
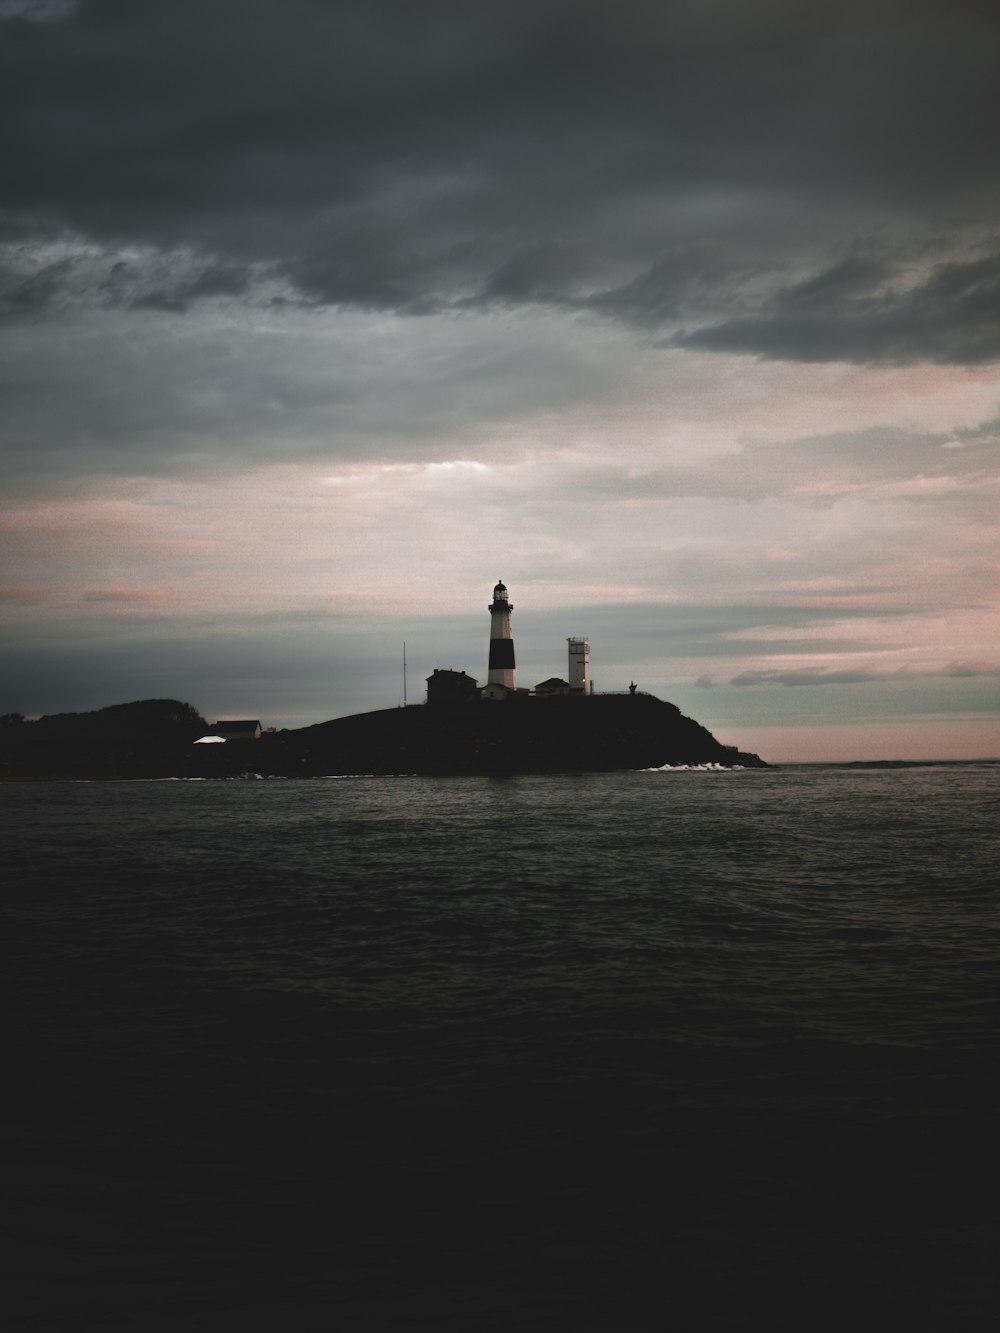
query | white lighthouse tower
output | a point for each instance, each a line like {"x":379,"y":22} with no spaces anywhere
{"x":502,"y":670}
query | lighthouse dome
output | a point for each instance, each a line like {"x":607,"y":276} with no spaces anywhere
{"x":500,"y":591}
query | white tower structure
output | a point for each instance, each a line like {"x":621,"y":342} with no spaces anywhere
{"x":502,"y":670}
{"x":579,"y":666}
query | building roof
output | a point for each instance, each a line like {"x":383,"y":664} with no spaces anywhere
{"x":553,"y":681}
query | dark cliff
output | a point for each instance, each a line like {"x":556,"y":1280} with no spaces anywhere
{"x":155,"y":738}
{"x":522,"y":736}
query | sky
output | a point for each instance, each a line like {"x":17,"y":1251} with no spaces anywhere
{"x":682,"y":317}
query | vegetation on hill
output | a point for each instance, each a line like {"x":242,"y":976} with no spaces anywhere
{"x":147,"y":738}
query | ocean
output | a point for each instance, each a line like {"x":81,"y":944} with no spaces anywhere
{"x":665,"y":1050}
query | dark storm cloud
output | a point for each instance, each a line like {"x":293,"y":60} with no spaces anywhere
{"x":693,"y":279}
{"x":37,"y":11}
{"x":210,"y":280}
{"x":33,"y":282}
{"x":31,"y":294}
{"x":649,"y":161}
{"x":848,"y":313}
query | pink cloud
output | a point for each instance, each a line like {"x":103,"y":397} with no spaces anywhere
{"x":861,"y":675}
{"x":25,"y":596}
{"x":129,"y":601}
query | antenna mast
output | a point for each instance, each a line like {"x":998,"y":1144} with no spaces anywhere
{"x":404,"y":673}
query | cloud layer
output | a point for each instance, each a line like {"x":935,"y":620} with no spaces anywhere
{"x":789,"y":181}
{"x":683,"y":315}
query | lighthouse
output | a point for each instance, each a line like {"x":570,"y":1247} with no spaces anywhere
{"x":502,"y":670}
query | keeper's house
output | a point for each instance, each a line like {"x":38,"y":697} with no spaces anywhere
{"x":451,"y":687}
{"x":243,"y":729}
{"x":551,"y":688}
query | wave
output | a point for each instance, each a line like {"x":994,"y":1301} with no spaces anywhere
{"x":693,"y":768}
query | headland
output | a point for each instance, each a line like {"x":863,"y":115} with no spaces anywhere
{"x":562,"y":725}
{"x":158,"y":738}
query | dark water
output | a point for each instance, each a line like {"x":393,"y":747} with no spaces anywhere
{"x":641,"y":1051}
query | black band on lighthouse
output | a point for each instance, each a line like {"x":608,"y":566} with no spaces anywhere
{"x":501,"y":654}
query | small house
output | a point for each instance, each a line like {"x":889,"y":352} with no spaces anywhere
{"x":451,"y":687}
{"x":551,"y":687}
{"x":242,"y":729}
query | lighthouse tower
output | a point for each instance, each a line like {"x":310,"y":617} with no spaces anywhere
{"x":502,"y":670}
